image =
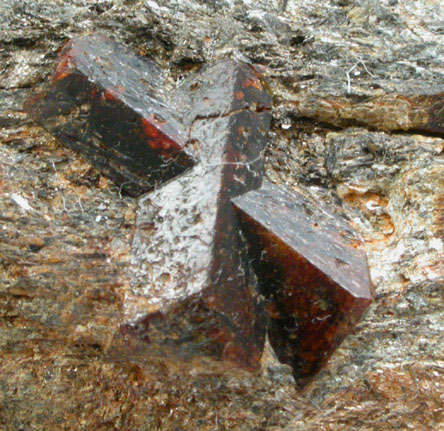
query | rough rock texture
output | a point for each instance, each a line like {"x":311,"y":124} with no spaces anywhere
{"x":314,"y":278}
{"x":64,"y":262}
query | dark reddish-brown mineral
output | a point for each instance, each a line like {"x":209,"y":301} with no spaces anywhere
{"x":315,"y":280}
{"x":204,"y":95}
{"x":109,"y":104}
{"x":199,"y":294}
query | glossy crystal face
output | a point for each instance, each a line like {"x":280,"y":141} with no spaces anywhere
{"x":109,"y":104}
{"x":314,"y":279}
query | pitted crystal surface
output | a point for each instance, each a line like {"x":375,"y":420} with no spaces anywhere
{"x":199,"y":293}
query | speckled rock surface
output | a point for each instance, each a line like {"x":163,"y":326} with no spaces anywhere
{"x":350,"y":138}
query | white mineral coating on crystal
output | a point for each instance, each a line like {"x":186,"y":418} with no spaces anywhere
{"x":187,"y":236}
{"x":172,"y":247}
{"x":175,"y":252}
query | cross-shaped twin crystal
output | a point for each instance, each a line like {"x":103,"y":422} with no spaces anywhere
{"x":224,"y":258}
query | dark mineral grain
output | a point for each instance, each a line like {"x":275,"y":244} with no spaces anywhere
{"x":315,"y":280}
{"x":109,"y":104}
{"x":200,"y":295}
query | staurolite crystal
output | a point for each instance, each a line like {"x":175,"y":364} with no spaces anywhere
{"x":109,"y":104}
{"x":205,"y":283}
{"x":314,"y":278}
{"x":199,"y":294}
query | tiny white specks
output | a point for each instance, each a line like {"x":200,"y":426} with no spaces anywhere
{"x":437,"y":244}
{"x":21,"y":202}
